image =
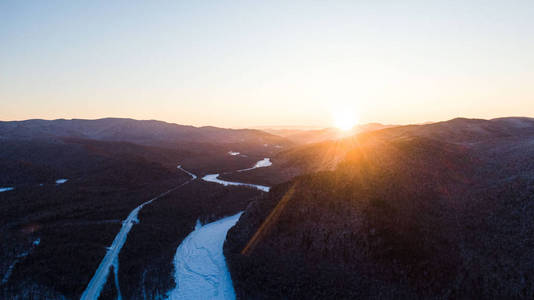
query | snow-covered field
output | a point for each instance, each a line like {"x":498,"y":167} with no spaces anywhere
{"x":266,"y":162}
{"x":5,"y":189}
{"x":214,"y":178}
{"x":200,"y":267}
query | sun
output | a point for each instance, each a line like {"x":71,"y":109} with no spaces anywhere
{"x":344,"y":119}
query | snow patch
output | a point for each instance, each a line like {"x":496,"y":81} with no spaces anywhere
{"x":266,"y":162}
{"x":5,"y":189}
{"x":200,"y":267}
{"x":61,"y":181}
{"x":233,"y":153}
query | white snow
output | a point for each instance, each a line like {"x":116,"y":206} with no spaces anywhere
{"x":5,"y":189}
{"x":266,"y":162}
{"x":93,"y":289}
{"x":200,"y":267}
{"x":189,"y":173}
{"x":61,"y":181}
{"x":214,"y":178}
{"x":233,"y":153}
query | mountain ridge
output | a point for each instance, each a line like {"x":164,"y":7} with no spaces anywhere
{"x":430,"y":211}
{"x":131,"y":130}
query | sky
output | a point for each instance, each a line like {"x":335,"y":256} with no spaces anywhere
{"x":267,"y":63}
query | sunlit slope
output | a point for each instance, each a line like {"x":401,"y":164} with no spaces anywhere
{"x":463,"y":132}
{"x":438,"y":210}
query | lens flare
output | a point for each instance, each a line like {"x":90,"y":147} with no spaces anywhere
{"x":344,"y":119}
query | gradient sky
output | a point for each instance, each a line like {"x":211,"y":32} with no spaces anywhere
{"x":260,"y":63}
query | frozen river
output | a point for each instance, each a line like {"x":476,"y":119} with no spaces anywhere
{"x":200,"y":267}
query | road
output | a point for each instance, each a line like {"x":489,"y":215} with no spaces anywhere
{"x":94,"y":288}
{"x":201,"y":271}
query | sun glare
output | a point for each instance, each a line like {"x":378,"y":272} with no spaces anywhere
{"x":344,"y":119}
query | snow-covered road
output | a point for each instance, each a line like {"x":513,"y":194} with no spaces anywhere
{"x":94,"y":288}
{"x":200,"y":267}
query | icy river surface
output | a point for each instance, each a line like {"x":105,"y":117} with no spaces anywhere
{"x":200,"y":269}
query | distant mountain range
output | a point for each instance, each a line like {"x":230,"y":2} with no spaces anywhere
{"x":147,"y":132}
{"x":150,"y":132}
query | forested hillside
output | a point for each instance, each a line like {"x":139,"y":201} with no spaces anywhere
{"x":441,"y":210}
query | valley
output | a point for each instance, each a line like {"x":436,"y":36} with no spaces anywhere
{"x":399,"y":212}
{"x":265,"y":150}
